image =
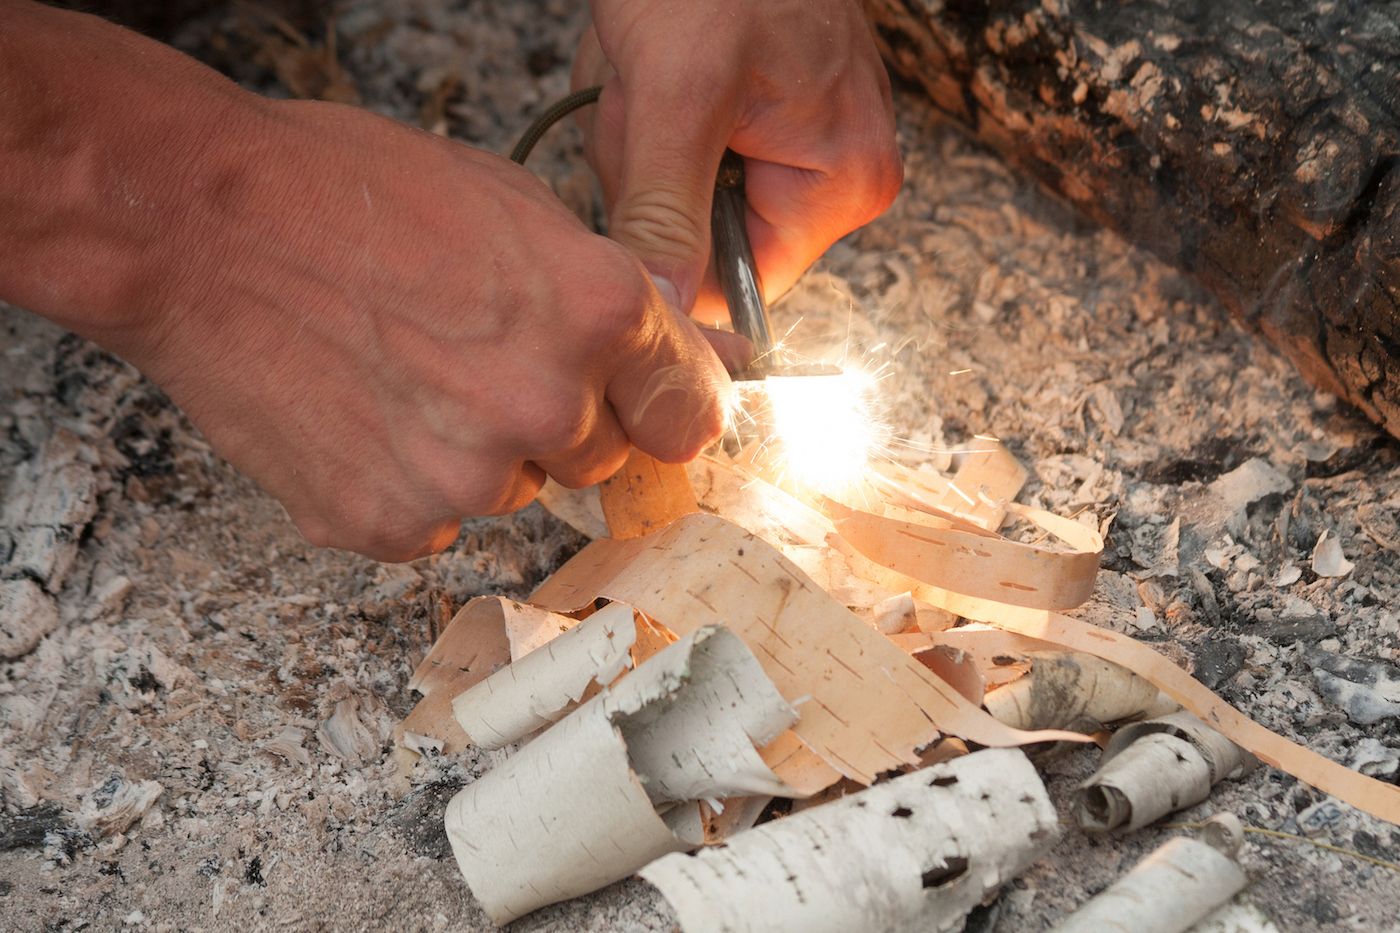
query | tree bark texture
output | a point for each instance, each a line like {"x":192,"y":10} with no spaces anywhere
{"x":1254,"y":143}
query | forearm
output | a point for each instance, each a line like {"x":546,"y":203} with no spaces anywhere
{"x":112,"y":149}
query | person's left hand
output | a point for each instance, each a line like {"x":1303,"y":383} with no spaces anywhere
{"x":794,"y":86}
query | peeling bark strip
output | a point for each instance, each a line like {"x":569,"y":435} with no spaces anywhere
{"x":481,"y":638}
{"x":1256,"y":145}
{"x":644,"y":495}
{"x":914,"y":853}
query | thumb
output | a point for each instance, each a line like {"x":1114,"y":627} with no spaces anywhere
{"x":670,"y":154}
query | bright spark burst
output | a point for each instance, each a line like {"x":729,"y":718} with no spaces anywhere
{"x":826,"y":433}
{"x":822,"y":432}
{"x":826,"y":427}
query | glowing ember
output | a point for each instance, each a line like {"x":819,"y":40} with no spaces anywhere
{"x":825,"y":429}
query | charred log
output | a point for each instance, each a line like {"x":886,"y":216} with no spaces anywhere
{"x":1254,"y":143}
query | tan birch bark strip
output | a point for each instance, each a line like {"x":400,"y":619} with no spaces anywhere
{"x":914,"y":853}
{"x":1365,"y":793}
{"x":866,"y":706}
{"x":580,"y":509}
{"x":1379,"y":799}
{"x":543,"y":685}
{"x":980,"y":565}
{"x":473,"y":645}
{"x":798,"y":765}
{"x":576,"y":808}
{"x":1178,"y":884}
{"x":978,"y":492}
{"x":957,"y":669}
{"x":645,"y":495}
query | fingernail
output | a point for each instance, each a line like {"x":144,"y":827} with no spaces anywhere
{"x":668,"y":291}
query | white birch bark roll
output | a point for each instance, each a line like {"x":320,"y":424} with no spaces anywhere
{"x":1159,"y":774}
{"x":1172,"y":889}
{"x":1154,"y":768}
{"x":541,"y":687}
{"x":569,"y":813}
{"x":915,"y":853}
{"x":1237,"y":918}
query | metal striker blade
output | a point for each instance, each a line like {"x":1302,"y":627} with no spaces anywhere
{"x":739,"y":280}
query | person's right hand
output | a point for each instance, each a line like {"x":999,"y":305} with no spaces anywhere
{"x":389,"y":331}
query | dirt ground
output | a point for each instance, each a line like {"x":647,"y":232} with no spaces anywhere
{"x":165,"y":758}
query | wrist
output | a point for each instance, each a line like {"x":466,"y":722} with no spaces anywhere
{"x":109,"y":142}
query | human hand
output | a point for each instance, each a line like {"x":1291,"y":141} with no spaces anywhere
{"x":389,"y":331}
{"x":795,"y":87}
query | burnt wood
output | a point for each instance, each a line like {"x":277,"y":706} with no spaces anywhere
{"x":1254,"y":143}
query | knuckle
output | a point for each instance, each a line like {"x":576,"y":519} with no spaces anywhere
{"x":562,"y":424}
{"x":656,"y":222}
{"x":709,"y":425}
{"x":620,"y":300}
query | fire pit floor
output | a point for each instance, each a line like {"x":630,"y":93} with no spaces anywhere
{"x":203,"y":647}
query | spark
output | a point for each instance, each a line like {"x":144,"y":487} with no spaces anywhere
{"x":964,"y":496}
{"x":826,"y":427}
{"x":827,"y":434}
{"x":817,"y":432}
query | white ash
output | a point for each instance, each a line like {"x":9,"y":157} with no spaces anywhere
{"x":1127,"y":394}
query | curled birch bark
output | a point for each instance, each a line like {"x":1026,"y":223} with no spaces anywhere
{"x":1154,"y":768}
{"x":483,"y":637}
{"x":872,"y":706}
{"x":985,"y":481}
{"x":954,"y":553}
{"x":1177,"y":885}
{"x":580,"y":509}
{"x":543,"y":685}
{"x":914,"y":853}
{"x":602,"y":792}
{"x":1066,"y":689}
